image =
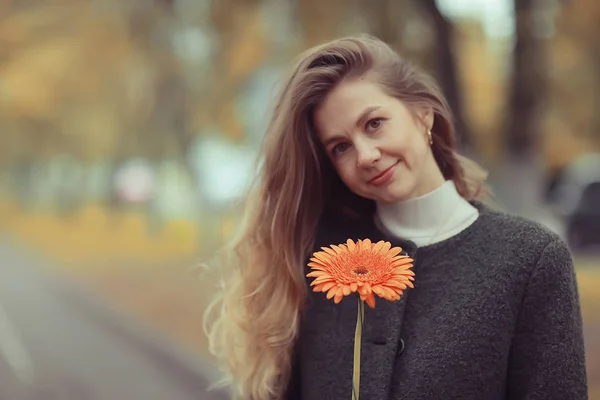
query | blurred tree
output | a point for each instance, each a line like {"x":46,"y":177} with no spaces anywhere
{"x":385,"y":19}
{"x":93,"y":80}
{"x":321,"y":20}
{"x":56,"y":84}
{"x":519,"y":179}
{"x":575,"y":78}
{"x":446,"y":70}
{"x":242,"y":48}
{"x":528,"y":82}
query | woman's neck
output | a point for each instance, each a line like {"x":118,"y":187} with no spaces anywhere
{"x":431,"y":218}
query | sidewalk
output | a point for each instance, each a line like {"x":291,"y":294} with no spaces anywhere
{"x":182,"y":364}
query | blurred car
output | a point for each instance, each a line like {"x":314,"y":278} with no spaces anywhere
{"x":576,"y":197}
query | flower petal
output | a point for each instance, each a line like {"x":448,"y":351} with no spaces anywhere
{"x":386,"y":247}
{"x":377,"y":290}
{"x":337,"y":298}
{"x":395,"y":284}
{"x":321,"y":279}
{"x":331,"y":292}
{"x":322,"y":256}
{"x":338,"y":249}
{"x":394,"y":251}
{"x":329,"y":251}
{"x":371,"y":300}
{"x":389,"y":293}
{"x":402,"y":271}
{"x":365,"y":288}
{"x":318,"y":266}
{"x":351,"y":245}
{"x":323,"y":276}
{"x":402,"y":262}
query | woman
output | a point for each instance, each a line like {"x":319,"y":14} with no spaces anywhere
{"x":361,"y":145}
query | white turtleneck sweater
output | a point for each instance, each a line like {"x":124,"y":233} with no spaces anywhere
{"x":428,"y":219}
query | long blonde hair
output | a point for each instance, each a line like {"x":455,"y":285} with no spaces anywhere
{"x":252,"y":325}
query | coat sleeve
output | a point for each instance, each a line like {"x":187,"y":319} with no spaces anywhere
{"x":547,"y":358}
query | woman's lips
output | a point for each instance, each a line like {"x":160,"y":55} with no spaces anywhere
{"x":384,"y":176}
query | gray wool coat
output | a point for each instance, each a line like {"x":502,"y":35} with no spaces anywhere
{"x":494,"y":314}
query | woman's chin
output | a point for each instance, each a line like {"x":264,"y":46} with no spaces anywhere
{"x":391,"y":197}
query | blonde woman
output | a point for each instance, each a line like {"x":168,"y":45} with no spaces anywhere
{"x":361,"y":145}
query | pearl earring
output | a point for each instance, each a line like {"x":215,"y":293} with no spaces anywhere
{"x":430,"y":137}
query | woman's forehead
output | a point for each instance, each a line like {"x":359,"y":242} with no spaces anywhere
{"x":353,"y":94}
{"x":347,"y":102}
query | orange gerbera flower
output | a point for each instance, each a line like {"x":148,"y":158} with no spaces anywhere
{"x":364,"y":267}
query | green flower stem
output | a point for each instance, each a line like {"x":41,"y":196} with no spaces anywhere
{"x":357,"y":341}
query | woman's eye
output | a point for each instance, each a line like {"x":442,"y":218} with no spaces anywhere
{"x":374,"y":123}
{"x":339,"y":148}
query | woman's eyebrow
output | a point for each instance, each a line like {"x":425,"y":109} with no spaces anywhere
{"x":359,"y":123}
{"x":365,"y":115}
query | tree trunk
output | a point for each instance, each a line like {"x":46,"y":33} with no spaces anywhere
{"x":520,"y":177}
{"x":320,"y":20}
{"x":384,"y":18}
{"x":446,"y":70}
{"x":527,"y":88}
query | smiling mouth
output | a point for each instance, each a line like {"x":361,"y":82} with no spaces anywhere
{"x":383,"y":173}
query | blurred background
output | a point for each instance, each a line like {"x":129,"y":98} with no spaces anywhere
{"x":129,"y":130}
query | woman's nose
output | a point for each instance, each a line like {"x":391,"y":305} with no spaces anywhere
{"x":367,"y":154}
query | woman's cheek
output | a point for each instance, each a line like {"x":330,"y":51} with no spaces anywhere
{"x":345,"y":173}
{"x":349,"y":178}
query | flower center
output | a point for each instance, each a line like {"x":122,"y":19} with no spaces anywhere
{"x":360,"y":271}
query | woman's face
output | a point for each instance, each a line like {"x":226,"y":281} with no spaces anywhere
{"x":379,"y":148}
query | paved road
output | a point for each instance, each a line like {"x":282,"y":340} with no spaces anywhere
{"x":53,"y":347}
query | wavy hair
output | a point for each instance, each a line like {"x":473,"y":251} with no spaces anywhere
{"x":253,"y":323}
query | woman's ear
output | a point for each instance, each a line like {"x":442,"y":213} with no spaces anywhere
{"x":426,"y":115}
